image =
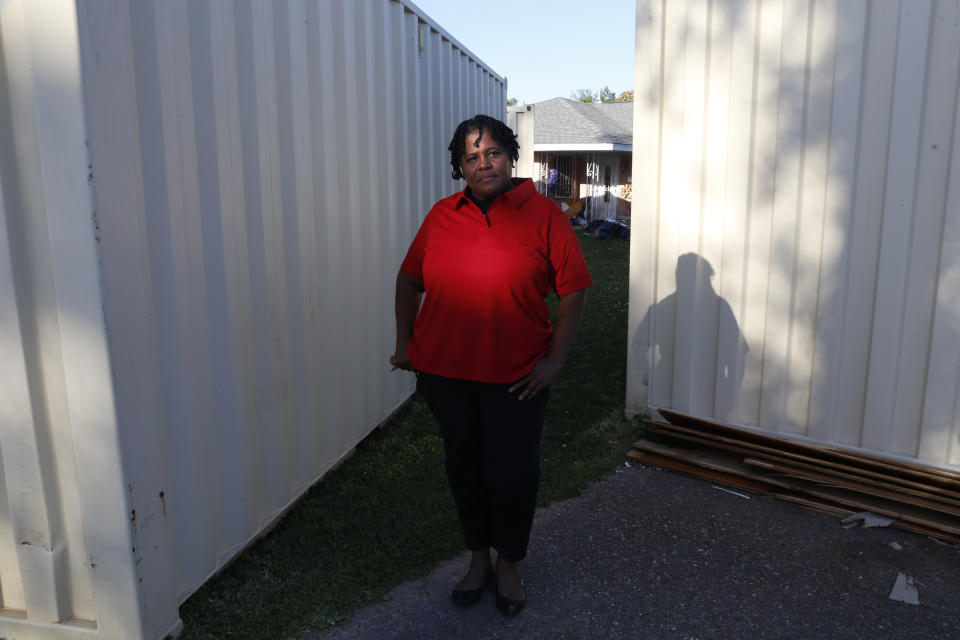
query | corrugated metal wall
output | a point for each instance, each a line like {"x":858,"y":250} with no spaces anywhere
{"x":204,"y":208}
{"x":64,"y":525}
{"x":797,"y":219}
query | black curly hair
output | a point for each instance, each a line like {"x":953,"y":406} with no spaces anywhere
{"x":501,"y":133}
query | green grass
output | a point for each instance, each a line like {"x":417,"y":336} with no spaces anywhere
{"x":385,"y":515}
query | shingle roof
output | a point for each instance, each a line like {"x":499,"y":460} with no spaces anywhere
{"x":563,"y":121}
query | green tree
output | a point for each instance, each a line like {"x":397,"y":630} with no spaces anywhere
{"x":512,"y":102}
{"x":606,"y":95}
{"x":583,"y":95}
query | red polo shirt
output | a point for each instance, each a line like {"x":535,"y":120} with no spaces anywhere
{"x":484,"y":315}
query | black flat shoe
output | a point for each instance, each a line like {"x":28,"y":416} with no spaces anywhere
{"x":509,"y":606}
{"x":469,"y":597}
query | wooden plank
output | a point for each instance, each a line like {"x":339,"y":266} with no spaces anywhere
{"x":747,"y":448}
{"x":721,"y":461}
{"x":831,"y":508}
{"x":919,"y":473}
{"x":733,"y":480}
{"x":822,"y":506}
{"x":888,"y":508}
{"x":914,"y":488}
{"x":681,"y":419}
{"x":699,"y":471}
{"x":717,"y":461}
{"x":860,"y":487}
{"x":819,"y":504}
{"x":951,"y":504}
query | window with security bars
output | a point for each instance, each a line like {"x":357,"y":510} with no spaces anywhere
{"x":555,"y":176}
{"x":563,"y":187}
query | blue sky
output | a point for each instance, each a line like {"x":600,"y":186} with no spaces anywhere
{"x":545,"y":49}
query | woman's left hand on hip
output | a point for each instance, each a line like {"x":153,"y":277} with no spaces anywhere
{"x":543,"y":373}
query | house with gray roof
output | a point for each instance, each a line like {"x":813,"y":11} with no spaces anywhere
{"x":577,"y":152}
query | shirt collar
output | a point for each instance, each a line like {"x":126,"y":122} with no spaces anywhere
{"x":522,"y":189}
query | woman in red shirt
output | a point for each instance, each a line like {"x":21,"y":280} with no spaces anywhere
{"x":482,"y":344}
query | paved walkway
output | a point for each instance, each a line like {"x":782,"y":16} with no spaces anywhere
{"x":647,"y":553}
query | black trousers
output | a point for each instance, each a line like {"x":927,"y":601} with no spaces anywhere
{"x":492,"y":445}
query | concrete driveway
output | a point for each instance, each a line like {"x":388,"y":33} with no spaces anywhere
{"x":648,"y":553}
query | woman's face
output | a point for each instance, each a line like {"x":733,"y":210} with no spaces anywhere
{"x":486,"y":167}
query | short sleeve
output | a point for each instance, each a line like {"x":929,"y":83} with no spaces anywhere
{"x":566,"y":257}
{"x":412,"y":264}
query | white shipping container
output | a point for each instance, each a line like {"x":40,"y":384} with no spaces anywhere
{"x":796,"y":220}
{"x":203,"y":205}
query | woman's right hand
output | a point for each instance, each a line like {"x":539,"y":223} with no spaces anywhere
{"x":407,"y":304}
{"x":400,"y":359}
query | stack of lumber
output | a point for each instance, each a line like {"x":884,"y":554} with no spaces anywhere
{"x":832,"y":480}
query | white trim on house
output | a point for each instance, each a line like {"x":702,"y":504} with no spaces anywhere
{"x":600,"y":146}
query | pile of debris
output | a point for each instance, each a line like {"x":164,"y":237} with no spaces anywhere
{"x":607,"y":229}
{"x":859,"y":487}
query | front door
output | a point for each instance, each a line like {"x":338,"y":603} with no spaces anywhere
{"x":607,"y":191}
